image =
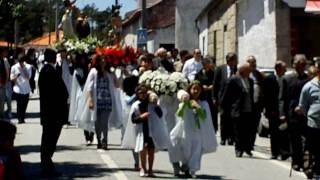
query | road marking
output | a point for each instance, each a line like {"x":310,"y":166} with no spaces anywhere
{"x":279,"y":163}
{"x":111,"y":164}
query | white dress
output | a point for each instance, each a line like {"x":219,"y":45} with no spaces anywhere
{"x":189,"y":142}
{"x":87,"y":116}
{"x":169,"y":105}
{"x":133,"y":136}
{"x":75,"y":97}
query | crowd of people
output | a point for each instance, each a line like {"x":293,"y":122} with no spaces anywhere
{"x":93,"y":95}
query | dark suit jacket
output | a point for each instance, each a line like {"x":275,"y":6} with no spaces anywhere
{"x":292,"y":85}
{"x":206,"y":78}
{"x":260,"y":78}
{"x":232,"y":99}
{"x":271,"y":92}
{"x":53,"y":97}
{"x":220,"y":78}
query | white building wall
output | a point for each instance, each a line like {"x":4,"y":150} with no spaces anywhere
{"x":256,"y":31}
{"x":202,"y":24}
{"x":164,"y":36}
{"x":155,"y":38}
{"x":186,"y":31}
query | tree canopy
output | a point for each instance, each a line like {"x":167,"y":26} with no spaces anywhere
{"x":36,"y":17}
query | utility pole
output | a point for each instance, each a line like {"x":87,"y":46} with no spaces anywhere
{"x":142,"y":34}
{"x":56,"y":22}
{"x":49,"y":22}
{"x":143,"y":14}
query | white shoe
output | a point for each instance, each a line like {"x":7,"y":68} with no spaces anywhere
{"x":142,"y":173}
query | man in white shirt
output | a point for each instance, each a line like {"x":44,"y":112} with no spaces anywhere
{"x":193,"y":66}
{"x":20,"y":75}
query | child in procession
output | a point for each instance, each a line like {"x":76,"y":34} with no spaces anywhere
{"x":193,"y":134}
{"x":147,"y":128}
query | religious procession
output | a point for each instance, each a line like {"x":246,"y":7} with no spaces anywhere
{"x":173,"y":102}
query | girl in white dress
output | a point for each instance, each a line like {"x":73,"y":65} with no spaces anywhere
{"x":193,"y":134}
{"x":146,"y":129}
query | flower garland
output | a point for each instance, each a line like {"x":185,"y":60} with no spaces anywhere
{"x":117,"y":56}
{"x":77,"y":46}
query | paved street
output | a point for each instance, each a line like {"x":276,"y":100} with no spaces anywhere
{"x":77,"y":161}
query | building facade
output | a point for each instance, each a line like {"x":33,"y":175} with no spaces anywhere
{"x":268,"y":29}
{"x":160,"y":22}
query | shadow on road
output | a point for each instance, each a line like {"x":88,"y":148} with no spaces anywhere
{"x":70,"y":170}
{"x":26,"y":149}
{"x":29,"y":115}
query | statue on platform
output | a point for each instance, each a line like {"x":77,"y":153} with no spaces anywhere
{"x":82,"y":26}
{"x":69,"y":19}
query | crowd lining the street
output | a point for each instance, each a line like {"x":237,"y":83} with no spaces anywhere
{"x":93,"y":95}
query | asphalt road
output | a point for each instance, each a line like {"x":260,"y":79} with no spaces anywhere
{"x":78,"y":161}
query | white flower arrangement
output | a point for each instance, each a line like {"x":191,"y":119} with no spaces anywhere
{"x":87,"y":45}
{"x":180,"y":80}
{"x":163,"y":83}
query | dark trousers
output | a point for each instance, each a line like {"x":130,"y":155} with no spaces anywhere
{"x":296,"y":131}
{"x":49,"y":139}
{"x":255,"y":124}
{"x":22,"y":103}
{"x":214,"y":114}
{"x":279,"y":140}
{"x":226,"y":127}
{"x":88,"y":135}
{"x":313,"y":136}
{"x":244,"y":132}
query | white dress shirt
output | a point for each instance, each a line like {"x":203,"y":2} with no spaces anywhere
{"x":22,"y":85}
{"x":191,"y":68}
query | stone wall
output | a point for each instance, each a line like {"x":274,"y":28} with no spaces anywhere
{"x":222,"y":30}
{"x":283,"y":32}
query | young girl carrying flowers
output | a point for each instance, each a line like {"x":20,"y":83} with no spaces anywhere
{"x":146,"y":129}
{"x":193,"y":134}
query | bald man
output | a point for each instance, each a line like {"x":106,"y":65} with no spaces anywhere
{"x":238,"y":99}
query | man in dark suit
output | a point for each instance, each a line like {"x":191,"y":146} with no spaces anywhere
{"x":53,"y":111}
{"x":222,"y":74}
{"x":205,"y":76}
{"x":297,"y":123}
{"x":273,"y":104}
{"x":238,"y":101}
{"x":258,"y":79}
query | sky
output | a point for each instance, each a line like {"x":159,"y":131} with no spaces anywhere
{"x":127,"y":5}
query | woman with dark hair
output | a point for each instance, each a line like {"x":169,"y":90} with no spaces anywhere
{"x":78,"y":81}
{"x":100,"y":110}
